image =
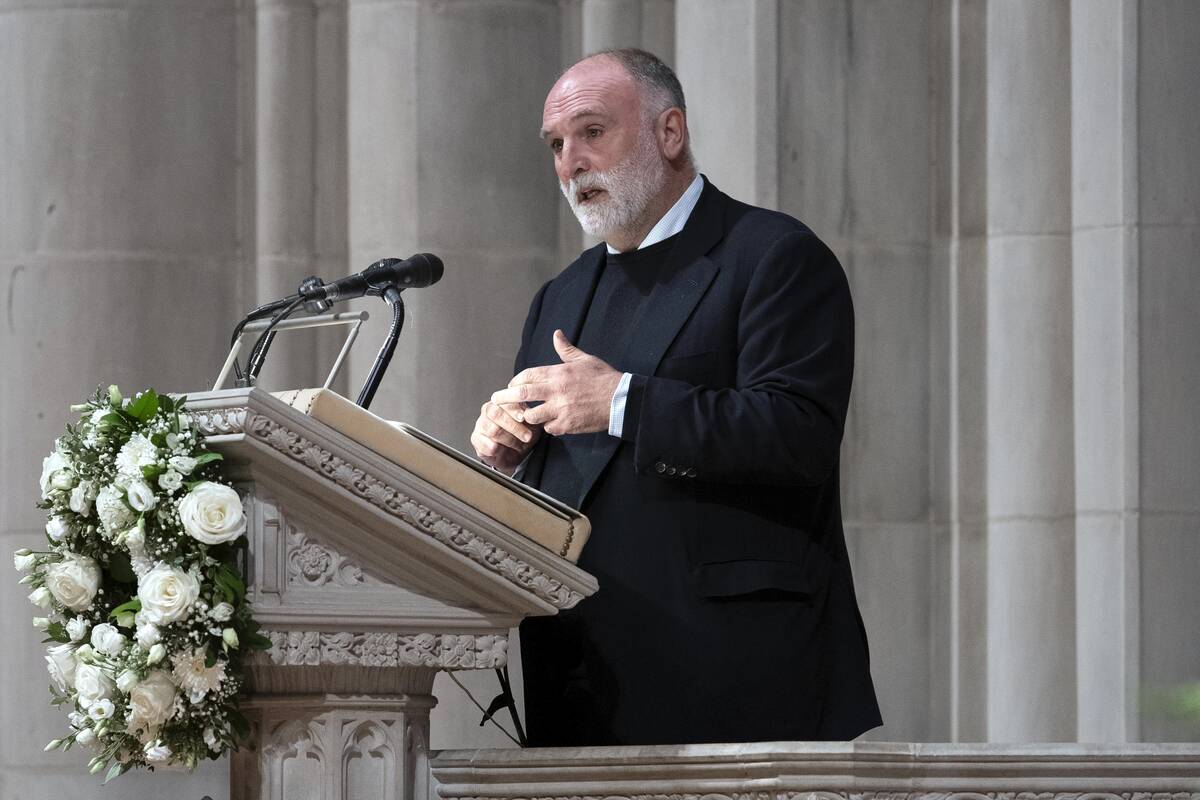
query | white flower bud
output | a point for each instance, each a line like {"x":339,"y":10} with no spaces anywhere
{"x":40,"y":597}
{"x":229,"y":635}
{"x":127,"y":680}
{"x":157,"y":653}
{"x":41,"y":623}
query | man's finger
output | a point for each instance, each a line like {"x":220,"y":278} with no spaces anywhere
{"x":566,"y":351}
{"x":531,"y":375}
{"x":539,"y":415}
{"x":500,"y":416}
{"x":525,"y":393}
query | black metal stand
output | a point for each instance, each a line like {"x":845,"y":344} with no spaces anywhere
{"x":391,"y":296}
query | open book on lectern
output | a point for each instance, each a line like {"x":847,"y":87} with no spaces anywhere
{"x":552,"y":524}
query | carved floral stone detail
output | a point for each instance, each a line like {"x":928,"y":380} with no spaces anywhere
{"x":389,"y":498}
{"x":310,"y":563}
{"x":210,"y":421}
{"x":381,"y":649}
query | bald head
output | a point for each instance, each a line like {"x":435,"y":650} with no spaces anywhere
{"x":620,"y":144}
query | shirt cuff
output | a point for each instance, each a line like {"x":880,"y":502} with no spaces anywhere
{"x":616,"y":410}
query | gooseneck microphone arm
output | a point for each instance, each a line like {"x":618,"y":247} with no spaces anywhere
{"x":391,"y":296}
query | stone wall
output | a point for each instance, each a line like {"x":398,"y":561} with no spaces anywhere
{"x":1011,"y":187}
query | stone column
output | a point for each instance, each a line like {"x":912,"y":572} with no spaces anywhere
{"x":1104,"y":206}
{"x":868,"y":197}
{"x":648,"y":24}
{"x":445,"y":100}
{"x":1030,"y":464}
{"x":1167,"y":341}
{"x":726,"y":57}
{"x":121,"y":226}
{"x":299,"y":170}
{"x":958,"y":318}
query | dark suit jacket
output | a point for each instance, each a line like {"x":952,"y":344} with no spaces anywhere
{"x":726,"y":609}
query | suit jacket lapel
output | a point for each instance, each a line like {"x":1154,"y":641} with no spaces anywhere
{"x":686,"y":277}
{"x":569,"y":312}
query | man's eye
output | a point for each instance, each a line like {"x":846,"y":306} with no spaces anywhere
{"x":556,"y":145}
{"x":593,"y":133}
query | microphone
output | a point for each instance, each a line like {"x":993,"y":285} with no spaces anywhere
{"x":423,"y":269}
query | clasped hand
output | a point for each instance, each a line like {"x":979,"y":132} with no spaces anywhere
{"x":575,"y":397}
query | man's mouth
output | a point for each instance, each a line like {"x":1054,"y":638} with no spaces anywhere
{"x":588,"y":195}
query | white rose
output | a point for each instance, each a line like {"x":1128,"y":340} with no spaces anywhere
{"x":157,"y":753}
{"x":50,"y":465}
{"x":170,"y":480}
{"x":62,"y":480}
{"x":141,"y":496}
{"x":86,"y":737}
{"x":101,"y":709}
{"x":23,"y":560}
{"x":41,"y":623}
{"x":152,"y":701}
{"x":127,"y":680}
{"x":57,"y":528}
{"x":111,"y":508}
{"x":183,"y":464}
{"x":147,"y":636}
{"x":92,"y":683}
{"x":221,"y":612}
{"x":210,"y":739}
{"x":61,"y":664}
{"x":81,"y":498}
{"x":212,"y":513}
{"x":77,"y":628}
{"x":167,"y":594}
{"x":40,"y":597}
{"x":74,"y":581}
{"x":107,"y":639}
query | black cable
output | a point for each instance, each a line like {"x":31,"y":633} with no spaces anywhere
{"x":258,"y":313}
{"x":259,"y":354}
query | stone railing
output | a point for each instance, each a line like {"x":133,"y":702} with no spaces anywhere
{"x":823,"y":771}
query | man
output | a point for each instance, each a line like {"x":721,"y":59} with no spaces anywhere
{"x":685,"y":385}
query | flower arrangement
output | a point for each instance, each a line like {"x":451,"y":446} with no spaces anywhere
{"x":146,"y":613}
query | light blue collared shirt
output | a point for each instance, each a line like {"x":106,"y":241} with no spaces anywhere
{"x":671,"y":223}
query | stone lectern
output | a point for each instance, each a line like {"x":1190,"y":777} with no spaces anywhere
{"x":368,"y":579}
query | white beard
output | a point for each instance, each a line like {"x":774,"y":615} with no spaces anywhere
{"x":630,"y":187}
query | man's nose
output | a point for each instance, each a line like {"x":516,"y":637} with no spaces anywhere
{"x":574,"y":162}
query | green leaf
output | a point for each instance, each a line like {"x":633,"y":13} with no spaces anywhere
{"x":228,"y":581}
{"x":166,"y":404}
{"x":151,"y":472}
{"x":210,"y":660}
{"x":256,"y":641}
{"x":144,"y":407}
{"x":201,"y":460}
{"x":128,"y":607}
{"x":56,"y":632}
{"x":114,"y":771}
{"x":237,"y":721}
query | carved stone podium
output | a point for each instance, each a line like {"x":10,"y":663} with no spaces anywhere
{"x":368,"y":581}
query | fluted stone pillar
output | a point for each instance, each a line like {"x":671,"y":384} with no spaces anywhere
{"x":1030,"y":464}
{"x":726,"y":55}
{"x":648,"y":24}
{"x":958,"y":402}
{"x":445,"y":100}
{"x":1167,"y":245}
{"x":299,"y":170}
{"x":1104,"y":216}
{"x":120,"y":220}
{"x":868,"y":198}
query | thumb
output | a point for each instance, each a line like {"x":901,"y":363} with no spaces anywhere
{"x":566,"y":351}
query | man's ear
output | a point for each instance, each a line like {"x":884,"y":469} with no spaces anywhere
{"x":672,"y":133}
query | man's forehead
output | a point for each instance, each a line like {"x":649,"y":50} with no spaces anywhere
{"x":598,"y":86}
